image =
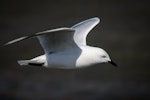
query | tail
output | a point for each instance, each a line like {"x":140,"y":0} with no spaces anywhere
{"x":29,"y":62}
{"x":23,"y":62}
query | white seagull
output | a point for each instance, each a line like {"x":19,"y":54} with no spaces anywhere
{"x":66,"y":47}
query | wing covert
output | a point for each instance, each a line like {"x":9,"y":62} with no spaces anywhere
{"x":58,"y":40}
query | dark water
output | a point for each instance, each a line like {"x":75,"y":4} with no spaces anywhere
{"x":123,"y":32}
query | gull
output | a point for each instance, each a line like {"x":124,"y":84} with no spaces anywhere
{"x":66,"y":48}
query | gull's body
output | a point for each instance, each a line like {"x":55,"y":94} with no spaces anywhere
{"x":67,"y":48}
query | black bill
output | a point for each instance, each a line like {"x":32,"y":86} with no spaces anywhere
{"x":113,"y":63}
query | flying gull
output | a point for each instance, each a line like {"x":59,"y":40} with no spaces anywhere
{"x":67,"y":48}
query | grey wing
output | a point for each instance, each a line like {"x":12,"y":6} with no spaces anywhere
{"x":83,"y":28}
{"x":60,"y":39}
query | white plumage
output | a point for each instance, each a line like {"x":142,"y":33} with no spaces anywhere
{"x":66,"y":47}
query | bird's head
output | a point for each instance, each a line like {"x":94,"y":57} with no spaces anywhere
{"x":104,"y":57}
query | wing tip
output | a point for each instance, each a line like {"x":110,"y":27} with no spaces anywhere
{"x":96,"y":19}
{"x":14,"y":41}
{"x":6,"y":44}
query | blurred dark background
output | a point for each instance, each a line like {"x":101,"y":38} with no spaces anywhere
{"x":123,"y":32}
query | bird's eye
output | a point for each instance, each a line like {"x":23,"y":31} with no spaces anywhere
{"x":103,"y":56}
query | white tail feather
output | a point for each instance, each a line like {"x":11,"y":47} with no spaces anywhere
{"x":23,"y":62}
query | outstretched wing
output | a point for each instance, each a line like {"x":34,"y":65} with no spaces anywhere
{"x":83,"y":28}
{"x":60,"y":39}
{"x":55,"y":40}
